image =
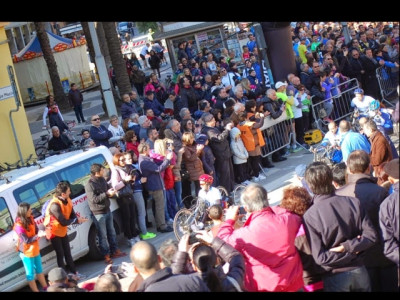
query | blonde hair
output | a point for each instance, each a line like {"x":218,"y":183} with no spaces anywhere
{"x":186,"y":137}
{"x":245,"y":83}
{"x":160,"y":147}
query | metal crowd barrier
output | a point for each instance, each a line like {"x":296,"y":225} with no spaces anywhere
{"x":341,"y":105}
{"x":276,"y":134}
{"x":387,"y":85}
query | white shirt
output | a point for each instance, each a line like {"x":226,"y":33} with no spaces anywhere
{"x":228,"y":80}
{"x":117,"y":133}
{"x":362,"y":105}
{"x":144,"y":50}
{"x":213,"y":196}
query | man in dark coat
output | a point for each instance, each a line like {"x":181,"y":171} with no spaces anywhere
{"x":59,"y":141}
{"x":361,"y":185}
{"x":339,"y":231}
{"x":128,"y":107}
{"x":75,"y":98}
{"x":389,"y":216}
{"x":220,"y":147}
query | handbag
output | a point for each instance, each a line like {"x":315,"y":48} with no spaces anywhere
{"x":125,"y":191}
{"x":185,"y":175}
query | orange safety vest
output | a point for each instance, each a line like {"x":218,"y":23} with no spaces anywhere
{"x":53,"y":227}
{"x":31,"y":249}
{"x":247,"y":135}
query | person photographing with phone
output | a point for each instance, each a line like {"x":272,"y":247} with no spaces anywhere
{"x":98,"y":195}
{"x":59,"y":215}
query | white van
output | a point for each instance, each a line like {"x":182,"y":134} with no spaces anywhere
{"x":35,"y":185}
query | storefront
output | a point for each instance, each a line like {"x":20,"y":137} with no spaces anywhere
{"x":211,"y":35}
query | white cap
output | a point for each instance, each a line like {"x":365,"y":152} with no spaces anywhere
{"x":279,"y":84}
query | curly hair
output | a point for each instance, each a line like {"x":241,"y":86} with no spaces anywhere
{"x":296,"y":200}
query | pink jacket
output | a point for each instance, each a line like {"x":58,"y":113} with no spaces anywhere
{"x":266,"y":241}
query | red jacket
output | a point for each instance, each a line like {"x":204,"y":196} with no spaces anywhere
{"x":266,"y":241}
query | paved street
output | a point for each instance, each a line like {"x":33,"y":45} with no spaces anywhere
{"x":277,"y":178}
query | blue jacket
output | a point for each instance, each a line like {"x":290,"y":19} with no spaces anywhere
{"x":354,"y":141}
{"x":154,"y":105}
{"x":100,"y":135}
{"x":152,"y":171}
{"x":127,"y":109}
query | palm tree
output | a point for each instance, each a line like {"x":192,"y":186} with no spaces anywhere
{"x":48,"y":56}
{"x":114,"y":47}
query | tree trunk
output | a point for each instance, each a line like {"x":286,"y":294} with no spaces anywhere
{"x":106,"y":53}
{"x":121,"y":74}
{"x":48,"y":56}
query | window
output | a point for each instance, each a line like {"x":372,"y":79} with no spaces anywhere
{"x":78,"y":174}
{"x":6,"y":223}
{"x":37,"y":192}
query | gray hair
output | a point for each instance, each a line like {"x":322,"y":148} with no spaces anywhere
{"x":254,"y":197}
{"x":134,"y":116}
{"x":54,"y":128}
{"x":167,"y":251}
{"x":235,"y":89}
{"x":182,"y":113}
{"x":142,"y":119}
{"x":237,"y":107}
{"x":107,"y":282}
{"x":269,"y":92}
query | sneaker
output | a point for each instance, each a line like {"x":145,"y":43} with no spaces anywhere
{"x":261,"y":177}
{"x":255,"y":179}
{"x":287,"y":153}
{"x":137,"y":238}
{"x":118,"y":253}
{"x":166,"y":229}
{"x":170,"y":222}
{"x":295,"y":149}
{"x":147,"y":236}
{"x":80,"y":276}
{"x":108,"y":260}
{"x":246,"y":182}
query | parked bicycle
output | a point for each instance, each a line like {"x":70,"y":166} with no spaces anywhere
{"x":42,"y":144}
{"x":327,"y":154}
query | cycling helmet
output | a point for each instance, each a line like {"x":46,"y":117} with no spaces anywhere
{"x":374,"y":105}
{"x":206,"y":178}
{"x":358,"y":91}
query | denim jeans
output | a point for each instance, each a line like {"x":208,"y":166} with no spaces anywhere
{"x":356,"y":280}
{"x":178,"y":193}
{"x":106,"y":232}
{"x":141,"y":211}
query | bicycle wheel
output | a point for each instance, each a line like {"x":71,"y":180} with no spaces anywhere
{"x":41,"y":152}
{"x":223,"y":191}
{"x":237,"y":192}
{"x":180,"y":224}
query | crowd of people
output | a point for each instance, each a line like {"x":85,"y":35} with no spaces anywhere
{"x":208,"y":124}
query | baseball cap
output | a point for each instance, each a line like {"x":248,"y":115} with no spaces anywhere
{"x":201,"y":139}
{"x":358,"y":91}
{"x":57,"y":274}
{"x":279,"y":84}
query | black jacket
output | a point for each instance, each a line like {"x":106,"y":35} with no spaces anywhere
{"x":164,"y":281}
{"x":224,"y":251}
{"x":59,"y":143}
{"x":371,"y":196}
{"x":98,"y":201}
{"x":274,"y":107}
{"x":219,"y":143}
{"x":337,"y":220}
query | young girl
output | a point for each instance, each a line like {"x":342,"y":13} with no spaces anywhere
{"x":207,"y":157}
{"x":240,"y":156}
{"x":28,"y":245}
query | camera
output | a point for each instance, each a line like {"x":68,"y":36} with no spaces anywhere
{"x":193,"y":239}
{"x":133,"y":172}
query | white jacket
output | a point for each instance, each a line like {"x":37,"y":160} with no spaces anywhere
{"x":239,"y":151}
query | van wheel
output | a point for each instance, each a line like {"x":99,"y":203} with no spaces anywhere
{"x":94,"y":250}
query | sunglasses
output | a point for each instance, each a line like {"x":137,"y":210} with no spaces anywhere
{"x":96,"y":119}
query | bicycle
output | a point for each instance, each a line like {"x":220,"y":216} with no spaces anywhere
{"x":42,"y":144}
{"x":188,"y":220}
{"x":327,"y":154}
